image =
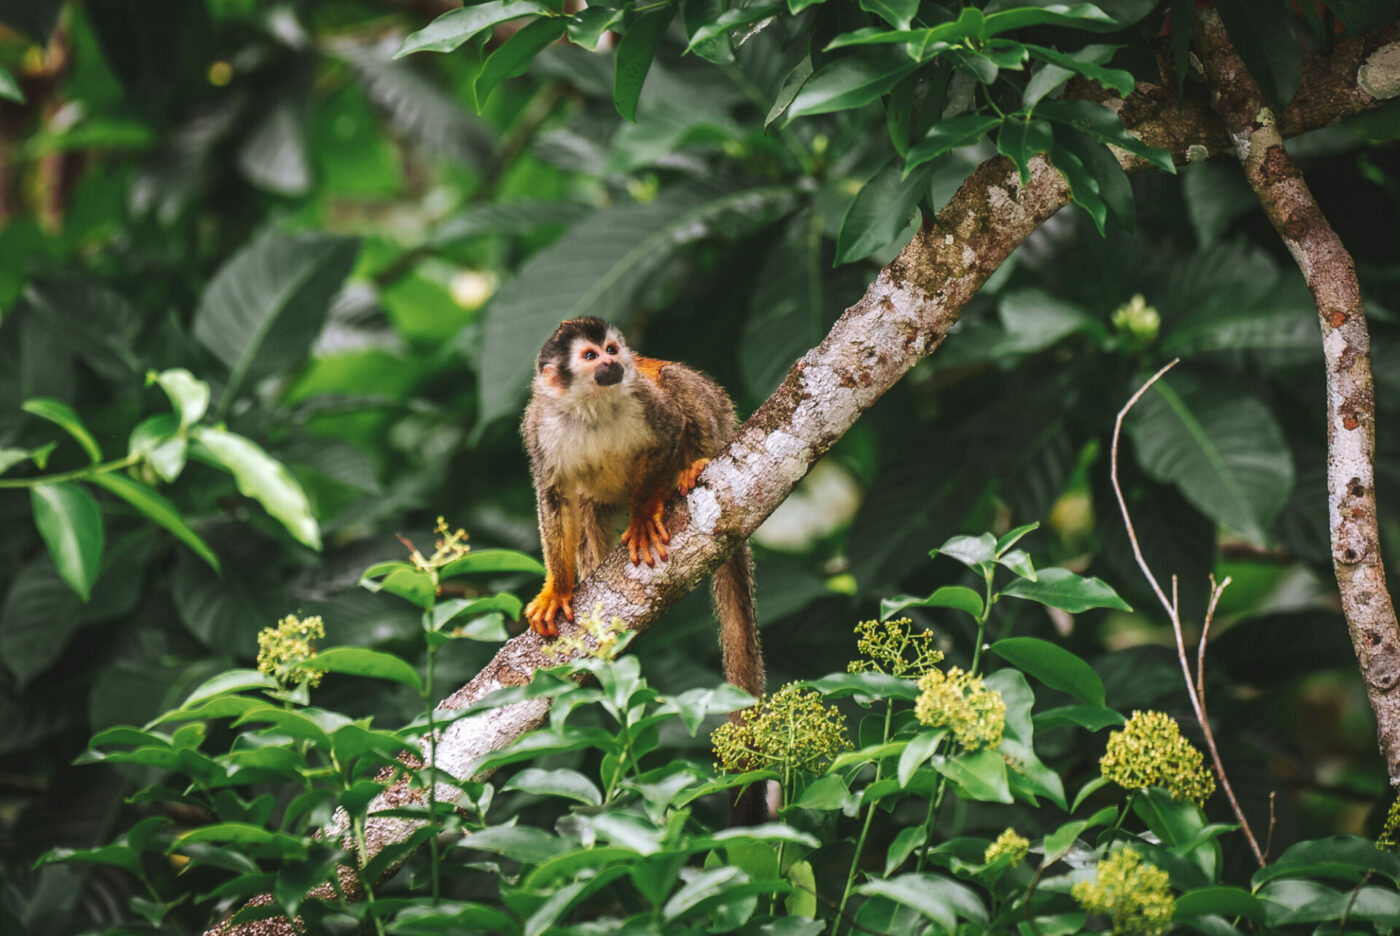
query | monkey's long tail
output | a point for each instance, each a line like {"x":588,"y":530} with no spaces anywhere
{"x":732,"y":587}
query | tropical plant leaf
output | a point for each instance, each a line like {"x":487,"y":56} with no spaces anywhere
{"x":70,"y":523}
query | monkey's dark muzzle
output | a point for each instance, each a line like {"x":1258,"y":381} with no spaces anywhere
{"x":608,"y":374}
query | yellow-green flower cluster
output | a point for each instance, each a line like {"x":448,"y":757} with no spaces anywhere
{"x":893,"y":647}
{"x":282,"y":647}
{"x":1150,"y":751}
{"x":1134,"y":895}
{"x":961,"y":702}
{"x":1390,"y":835}
{"x":1137,"y":320}
{"x":1010,"y":846}
{"x":604,"y":643}
{"x":789,"y":729}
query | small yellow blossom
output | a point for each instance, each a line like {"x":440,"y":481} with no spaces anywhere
{"x":1137,"y":320}
{"x":789,"y":729}
{"x":1390,"y":835}
{"x":1134,"y":895}
{"x":961,"y":701}
{"x":605,"y":638}
{"x":1008,"y":845}
{"x":893,"y":647}
{"x":282,"y":647}
{"x":1150,"y":751}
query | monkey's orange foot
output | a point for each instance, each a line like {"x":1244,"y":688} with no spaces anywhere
{"x":645,"y":534}
{"x":547,"y":604}
{"x":686,"y":484}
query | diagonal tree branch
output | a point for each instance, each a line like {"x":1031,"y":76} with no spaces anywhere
{"x":903,"y":316}
{"x":1351,"y":409}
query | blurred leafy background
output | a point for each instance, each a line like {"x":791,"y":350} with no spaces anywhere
{"x":361,"y":257}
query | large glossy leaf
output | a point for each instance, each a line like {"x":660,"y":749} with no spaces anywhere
{"x":1052,"y":665}
{"x":634,"y":55}
{"x":851,"y":81}
{"x":514,"y":55}
{"x":1262,"y":32}
{"x":359,"y":661}
{"x":880,"y":211}
{"x":941,"y":899}
{"x":263,"y":478}
{"x":61,"y":414}
{"x":264,"y":307}
{"x":948,"y":135}
{"x":1223,"y":450}
{"x":599,"y":267}
{"x":70,"y":523}
{"x":1104,"y":125}
{"x":158,"y":508}
{"x":1061,"y":588}
{"x":453,"y":28}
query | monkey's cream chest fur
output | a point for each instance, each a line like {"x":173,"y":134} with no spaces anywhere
{"x":590,"y":443}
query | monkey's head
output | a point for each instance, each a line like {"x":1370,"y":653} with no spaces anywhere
{"x":584,"y":357}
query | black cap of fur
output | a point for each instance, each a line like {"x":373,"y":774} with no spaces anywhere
{"x":556,"y":349}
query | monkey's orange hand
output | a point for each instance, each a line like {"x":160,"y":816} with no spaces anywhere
{"x":686,"y":484}
{"x":547,"y":604}
{"x":645,"y":534}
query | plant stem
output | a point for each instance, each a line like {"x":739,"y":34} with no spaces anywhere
{"x":77,"y":474}
{"x":982,"y":623}
{"x":864,"y":829}
{"x":362,"y":858}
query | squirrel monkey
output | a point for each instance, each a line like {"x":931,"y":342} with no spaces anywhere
{"x":608,"y":429}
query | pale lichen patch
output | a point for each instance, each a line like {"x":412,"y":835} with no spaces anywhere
{"x":1380,"y":75}
{"x":1197,"y":153}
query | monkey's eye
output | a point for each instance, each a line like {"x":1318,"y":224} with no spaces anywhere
{"x":612,"y":349}
{"x":589,"y":355}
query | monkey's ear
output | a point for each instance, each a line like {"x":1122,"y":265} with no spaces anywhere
{"x":550,"y":379}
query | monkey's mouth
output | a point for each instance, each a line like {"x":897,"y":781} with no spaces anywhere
{"x":608,"y":374}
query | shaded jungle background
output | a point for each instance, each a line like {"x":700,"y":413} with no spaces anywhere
{"x":417,"y":251}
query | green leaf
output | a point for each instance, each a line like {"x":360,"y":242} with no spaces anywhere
{"x":828,"y":794}
{"x":1347,"y":857}
{"x":918,"y":751}
{"x":1079,"y":16}
{"x":793,"y":82}
{"x":634,"y":54}
{"x":361,"y":661}
{"x":451,"y":29}
{"x":600,"y":267}
{"x":1020,"y":139}
{"x":71,"y":525}
{"x":696,"y":14}
{"x":874,"y":685}
{"x":1090,"y":717}
{"x":908,"y":839}
{"x":235,"y":680}
{"x":880,"y":212}
{"x":1018,"y":561}
{"x":850,"y":82}
{"x":514,"y":55}
{"x":1083,"y":187}
{"x":949,"y":596}
{"x":157,"y":508}
{"x":586,"y":27}
{"x":1262,"y":32}
{"x":1224,"y":901}
{"x":979,"y":776}
{"x":898,"y":13}
{"x":409,"y":584}
{"x":445,"y":612}
{"x":1110,"y":180}
{"x":1224,"y":451}
{"x":948,"y":135}
{"x":569,"y":784}
{"x":976,"y":552}
{"x":9,"y":88}
{"x":62,"y":415}
{"x":157,"y":441}
{"x":265,"y":306}
{"x":733,"y":17}
{"x":1053,"y":665}
{"x":263,"y":478}
{"x":941,"y":899}
{"x":491,"y":560}
{"x":249,"y":837}
{"x":9,"y":457}
{"x":520,"y":843}
{"x":1088,"y":62}
{"x":188,"y":395}
{"x":1061,"y":588}
{"x":1104,"y":125}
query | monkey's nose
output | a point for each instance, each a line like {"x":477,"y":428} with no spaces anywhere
{"x":608,"y":374}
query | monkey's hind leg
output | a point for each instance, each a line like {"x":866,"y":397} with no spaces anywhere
{"x":686,"y":484}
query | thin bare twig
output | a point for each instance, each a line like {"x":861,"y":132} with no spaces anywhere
{"x":1195,"y":687}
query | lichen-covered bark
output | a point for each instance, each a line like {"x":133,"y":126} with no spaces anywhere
{"x":1331,"y":275}
{"x":903,"y":316}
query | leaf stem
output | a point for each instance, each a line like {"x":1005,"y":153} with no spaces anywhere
{"x":77,"y":474}
{"x":864,"y":829}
